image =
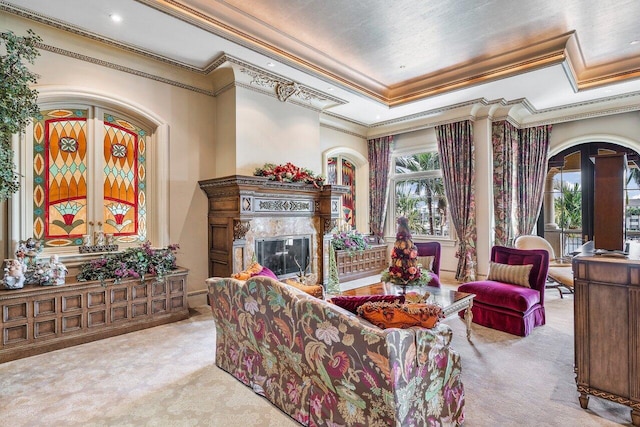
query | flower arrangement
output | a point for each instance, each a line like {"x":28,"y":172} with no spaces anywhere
{"x":404,"y":269}
{"x":351,"y":240}
{"x":132,"y":262}
{"x":289,"y":173}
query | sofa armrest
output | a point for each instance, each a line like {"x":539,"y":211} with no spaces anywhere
{"x":428,"y":386}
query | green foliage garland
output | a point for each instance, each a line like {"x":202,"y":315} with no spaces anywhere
{"x":18,"y":102}
{"x":132,"y":262}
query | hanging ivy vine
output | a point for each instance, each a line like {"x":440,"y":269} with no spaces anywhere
{"x":18,"y":102}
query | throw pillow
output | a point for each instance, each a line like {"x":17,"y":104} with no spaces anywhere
{"x":252,"y":270}
{"x":395,"y":315}
{"x":514,"y":274}
{"x":266,"y":272}
{"x":351,"y":303}
{"x":426,"y":261}
{"x":313,"y":290}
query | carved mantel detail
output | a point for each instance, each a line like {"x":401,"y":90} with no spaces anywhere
{"x":240,"y":229}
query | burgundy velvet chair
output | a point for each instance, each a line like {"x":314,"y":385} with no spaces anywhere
{"x":431,"y":249}
{"x":507,"y":307}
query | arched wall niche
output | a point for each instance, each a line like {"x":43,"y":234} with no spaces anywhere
{"x":362,"y":182}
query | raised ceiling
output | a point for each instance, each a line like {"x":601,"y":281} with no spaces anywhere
{"x":387,"y":60}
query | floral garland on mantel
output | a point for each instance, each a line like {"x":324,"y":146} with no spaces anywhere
{"x":289,"y":173}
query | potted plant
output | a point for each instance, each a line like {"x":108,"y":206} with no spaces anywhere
{"x":17,"y":99}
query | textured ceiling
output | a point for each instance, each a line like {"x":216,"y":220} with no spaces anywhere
{"x":389,"y":59}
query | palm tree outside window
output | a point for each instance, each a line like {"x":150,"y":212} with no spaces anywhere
{"x":419,"y":193}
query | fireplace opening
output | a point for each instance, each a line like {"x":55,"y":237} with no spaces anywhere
{"x":285,"y":256}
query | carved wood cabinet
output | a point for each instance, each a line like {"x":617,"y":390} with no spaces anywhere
{"x":356,"y":265}
{"x":607,"y":330}
{"x":37,"y":319}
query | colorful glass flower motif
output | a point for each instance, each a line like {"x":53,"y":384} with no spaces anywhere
{"x":68,"y":144}
{"x":68,"y":211}
{"x":118,"y":150}
{"x":119,"y":210}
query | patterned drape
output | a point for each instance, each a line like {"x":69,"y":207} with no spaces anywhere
{"x":379,"y":151}
{"x":531,"y":171}
{"x":455,"y":143}
{"x":504,"y":137}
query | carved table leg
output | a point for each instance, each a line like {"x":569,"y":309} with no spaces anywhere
{"x":635,"y":418}
{"x":468,"y":317}
{"x":584,"y":400}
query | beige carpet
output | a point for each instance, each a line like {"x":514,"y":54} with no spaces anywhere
{"x":165,"y":376}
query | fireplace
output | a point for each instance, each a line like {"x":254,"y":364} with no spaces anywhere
{"x":286,"y":256}
{"x":249,"y":215}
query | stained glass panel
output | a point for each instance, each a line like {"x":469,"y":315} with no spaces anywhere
{"x":124,"y":180}
{"x":60,"y":176}
{"x":332,"y":177}
{"x":349,"y":199}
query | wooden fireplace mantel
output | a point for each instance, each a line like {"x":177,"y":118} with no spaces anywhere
{"x":235,"y":200}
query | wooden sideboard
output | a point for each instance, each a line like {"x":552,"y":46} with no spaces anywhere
{"x":37,"y":319}
{"x":358,"y":264}
{"x":607,"y":330}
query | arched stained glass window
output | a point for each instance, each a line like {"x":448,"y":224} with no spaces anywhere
{"x":89,"y":174}
{"x":344,"y":175}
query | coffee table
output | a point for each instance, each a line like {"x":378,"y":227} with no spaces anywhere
{"x":451,"y":301}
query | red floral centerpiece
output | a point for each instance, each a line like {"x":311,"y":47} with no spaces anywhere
{"x":289,"y":173}
{"x":404,"y":269}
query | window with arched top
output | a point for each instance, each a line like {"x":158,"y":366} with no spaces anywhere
{"x":90,"y":164}
{"x":89,"y":176}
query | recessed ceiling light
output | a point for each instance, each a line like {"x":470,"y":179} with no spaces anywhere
{"x":378,"y":117}
{"x":270,"y":64}
{"x":634,"y":42}
{"x":329,"y":88}
{"x":115,"y":17}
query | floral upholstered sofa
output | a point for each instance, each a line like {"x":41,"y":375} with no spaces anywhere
{"x":325,"y":366}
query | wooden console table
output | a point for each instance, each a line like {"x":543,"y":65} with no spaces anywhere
{"x":607,"y":330}
{"x":37,"y":319}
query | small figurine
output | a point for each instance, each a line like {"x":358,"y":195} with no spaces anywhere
{"x":13,"y":274}
{"x":28,"y":250}
{"x":52,"y":273}
{"x":98,"y":238}
{"x":58,"y":270}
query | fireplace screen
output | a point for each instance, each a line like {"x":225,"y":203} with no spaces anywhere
{"x":285,"y":256}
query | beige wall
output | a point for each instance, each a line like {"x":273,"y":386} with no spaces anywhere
{"x":271,"y":131}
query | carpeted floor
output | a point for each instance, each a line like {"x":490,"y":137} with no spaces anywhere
{"x":166,"y":376}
